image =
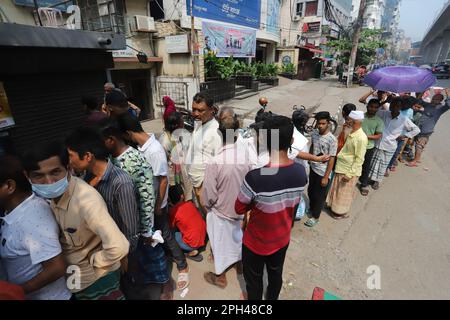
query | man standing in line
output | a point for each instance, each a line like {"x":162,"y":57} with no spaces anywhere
{"x":373,"y":127}
{"x":30,"y":250}
{"x":271,"y":195}
{"x":89,"y":237}
{"x":322,"y":142}
{"x":394,"y":125}
{"x":205,"y":142}
{"x":155,"y":155}
{"x":223,"y":177}
{"x":348,"y":168}
{"x":430,"y":115}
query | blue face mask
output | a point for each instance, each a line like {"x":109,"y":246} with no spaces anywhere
{"x":51,"y":191}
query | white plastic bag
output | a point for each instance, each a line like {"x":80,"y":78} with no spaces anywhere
{"x":301,"y":209}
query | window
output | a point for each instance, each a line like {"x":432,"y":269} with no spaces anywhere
{"x":311,"y":8}
{"x":299,"y":9}
{"x":157,"y":9}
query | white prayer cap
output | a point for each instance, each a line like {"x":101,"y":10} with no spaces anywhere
{"x":356,"y":115}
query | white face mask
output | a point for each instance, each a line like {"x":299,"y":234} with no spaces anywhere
{"x":51,"y":191}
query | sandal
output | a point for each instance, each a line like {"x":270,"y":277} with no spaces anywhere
{"x":195,"y":257}
{"x":182,"y":277}
{"x":339,"y":217}
{"x":364,"y":192}
{"x":311,"y":222}
{"x":211,"y":278}
{"x":376,"y":185}
{"x":393,"y":169}
{"x":411,"y":164}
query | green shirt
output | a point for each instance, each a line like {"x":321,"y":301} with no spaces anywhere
{"x":372,"y":126}
{"x":351,"y":158}
{"x":141,"y":173}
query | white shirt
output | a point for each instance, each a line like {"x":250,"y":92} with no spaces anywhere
{"x":300,"y":144}
{"x":30,"y":236}
{"x":155,"y":155}
{"x":394,"y":128}
{"x":205,"y":143}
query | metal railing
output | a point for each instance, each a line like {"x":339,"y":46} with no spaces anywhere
{"x":106,"y":16}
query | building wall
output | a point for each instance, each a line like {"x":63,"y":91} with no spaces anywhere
{"x":17,"y":14}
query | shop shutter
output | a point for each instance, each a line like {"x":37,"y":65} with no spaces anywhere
{"x":48,"y":106}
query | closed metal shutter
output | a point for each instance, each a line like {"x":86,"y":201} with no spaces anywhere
{"x":48,"y":106}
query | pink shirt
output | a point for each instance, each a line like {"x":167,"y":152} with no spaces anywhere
{"x":223,"y":179}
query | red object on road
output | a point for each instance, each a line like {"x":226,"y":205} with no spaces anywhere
{"x":321,"y":294}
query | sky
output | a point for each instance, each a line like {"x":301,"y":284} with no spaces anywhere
{"x":416,"y":16}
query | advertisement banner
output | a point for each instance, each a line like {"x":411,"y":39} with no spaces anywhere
{"x":228,"y":41}
{"x":241,"y":12}
{"x":6,"y":118}
{"x":273,"y":16}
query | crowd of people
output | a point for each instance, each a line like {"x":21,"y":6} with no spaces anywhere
{"x":104,"y":213}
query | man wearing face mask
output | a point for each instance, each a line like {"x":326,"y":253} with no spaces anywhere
{"x":92,"y":244}
{"x":430,"y":115}
{"x":205,"y":142}
{"x":30,"y":250}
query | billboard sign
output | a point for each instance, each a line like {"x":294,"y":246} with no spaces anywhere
{"x":227,"y":41}
{"x":241,"y":12}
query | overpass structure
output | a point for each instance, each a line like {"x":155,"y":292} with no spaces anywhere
{"x":436,"y":43}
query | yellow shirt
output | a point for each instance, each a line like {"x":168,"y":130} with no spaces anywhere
{"x":351,"y":158}
{"x":90,"y":239}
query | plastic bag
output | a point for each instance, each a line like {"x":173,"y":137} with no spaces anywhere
{"x":301,"y":209}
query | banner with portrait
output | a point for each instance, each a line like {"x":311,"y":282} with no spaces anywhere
{"x":227,"y":41}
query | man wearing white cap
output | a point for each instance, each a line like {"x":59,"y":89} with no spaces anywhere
{"x":348,"y":168}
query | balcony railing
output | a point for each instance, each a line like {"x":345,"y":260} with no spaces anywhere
{"x":88,"y":15}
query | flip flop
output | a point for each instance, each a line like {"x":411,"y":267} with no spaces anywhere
{"x":411,"y":165}
{"x":197,"y":258}
{"x":211,"y":278}
{"x":183,"y":277}
{"x":311,"y":222}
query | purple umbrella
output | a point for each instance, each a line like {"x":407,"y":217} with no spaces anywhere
{"x":400,"y":79}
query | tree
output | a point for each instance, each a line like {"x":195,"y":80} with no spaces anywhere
{"x":369,"y":42}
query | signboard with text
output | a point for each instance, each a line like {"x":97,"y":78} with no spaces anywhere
{"x":177,"y":44}
{"x":227,"y":41}
{"x":241,"y":12}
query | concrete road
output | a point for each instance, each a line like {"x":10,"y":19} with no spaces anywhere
{"x":402,"y":229}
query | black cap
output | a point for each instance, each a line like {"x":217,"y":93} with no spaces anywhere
{"x":116,"y":98}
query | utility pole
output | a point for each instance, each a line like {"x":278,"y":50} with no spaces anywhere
{"x":356,"y":36}
{"x":194,"y":58}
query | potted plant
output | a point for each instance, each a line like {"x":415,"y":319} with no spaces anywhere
{"x":246,"y":75}
{"x":219,"y":74}
{"x":267,"y":73}
{"x":288,"y":71}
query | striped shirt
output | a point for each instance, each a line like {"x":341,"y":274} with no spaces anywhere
{"x":120,"y":195}
{"x":141,"y":173}
{"x":271,"y":199}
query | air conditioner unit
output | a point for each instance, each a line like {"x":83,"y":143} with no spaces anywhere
{"x":145,"y":24}
{"x":296,"y":18}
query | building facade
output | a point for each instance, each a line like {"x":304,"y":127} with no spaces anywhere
{"x":49,"y":59}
